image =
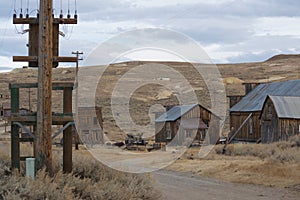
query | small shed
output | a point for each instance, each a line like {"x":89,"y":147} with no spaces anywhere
{"x":245,"y":115}
{"x":280,"y":118}
{"x":182,"y":122}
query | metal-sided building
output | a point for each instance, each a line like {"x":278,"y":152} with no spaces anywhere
{"x":280,"y":118}
{"x":245,"y":115}
{"x":183,"y":122}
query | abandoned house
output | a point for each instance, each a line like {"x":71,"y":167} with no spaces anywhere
{"x":89,"y":126}
{"x":280,"y":118}
{"x":245,"y":114}
{"x":182,"y":122}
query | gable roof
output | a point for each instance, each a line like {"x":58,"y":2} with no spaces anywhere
{"x":255,"y":99}
{"x":175,"y":112}
{"x":286,"y":106}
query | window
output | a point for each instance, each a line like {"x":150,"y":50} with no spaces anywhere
{"x":269,"y":108}
{"x":250,"y":126}
{"x":168,"y":130}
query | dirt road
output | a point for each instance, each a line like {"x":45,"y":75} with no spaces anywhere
{"x":178,"y":185}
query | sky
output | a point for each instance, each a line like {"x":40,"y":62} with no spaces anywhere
{"x":229,"y":31}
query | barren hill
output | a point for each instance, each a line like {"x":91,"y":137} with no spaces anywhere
{"x":277,"y":68}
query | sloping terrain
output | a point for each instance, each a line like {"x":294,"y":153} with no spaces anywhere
{"x":277,"y":68}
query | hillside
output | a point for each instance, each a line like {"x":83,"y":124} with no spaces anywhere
{"x":277,"y":68}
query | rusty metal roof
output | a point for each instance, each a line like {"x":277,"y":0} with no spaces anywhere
{"x":255,"y":99}
{"x":286,"y":106}
{"x":175,"y":112}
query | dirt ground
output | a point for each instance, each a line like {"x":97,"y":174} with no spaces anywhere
{"x":186,"y":185}
{"x":241,"y":169}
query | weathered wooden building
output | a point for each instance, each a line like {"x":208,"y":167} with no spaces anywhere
{"x":90,"y":126}
{"x":280,"y":118}
{"x":245,"y":115}
{"x":181,"y":123}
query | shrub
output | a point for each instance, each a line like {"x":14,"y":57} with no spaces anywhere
{"x":283,"y":151}
{"x":90,"y":180}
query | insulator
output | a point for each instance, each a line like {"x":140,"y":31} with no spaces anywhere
{"x":27,"y":15}
{"x":69,"y":16}
{"x":21,"y":15}
{"x":14,"y":15}
{"x":75,"y":16}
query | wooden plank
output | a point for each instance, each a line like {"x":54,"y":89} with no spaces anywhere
{"x":64,"y":59}
{"x":67,"y":137}
{"x":25,"y":58}
{"x":15,"y":146}
{"x":232,"y":137}
{"x":33,"y":20}
{"x":33,"y":47}
{"x":35,"y":59}
{"x":55,"y":43}
{"x":33,"y":118}
{"x":57,"y":85}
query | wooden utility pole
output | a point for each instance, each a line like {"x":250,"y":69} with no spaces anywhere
{"x":43,"y":52}
{"x":77,"y":53}
{"x":44,"y":106}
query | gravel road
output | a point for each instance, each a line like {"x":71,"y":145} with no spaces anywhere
{"x":186,"y":186}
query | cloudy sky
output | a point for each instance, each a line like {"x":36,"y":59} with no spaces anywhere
{"x":228,"y":30}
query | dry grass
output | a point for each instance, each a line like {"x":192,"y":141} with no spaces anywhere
{"x":276,"y":164}
{"x":283,"y":151}
{"x":89,"y":180}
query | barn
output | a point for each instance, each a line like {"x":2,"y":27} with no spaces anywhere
{"x":245,"y":115}
{"x":181,"y":123}
{"x":280,"y":118}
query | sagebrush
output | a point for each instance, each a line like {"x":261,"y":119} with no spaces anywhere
{"x":89,"y":180}
{"x":282,"y":151}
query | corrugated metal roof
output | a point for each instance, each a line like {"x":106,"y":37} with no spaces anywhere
{"x":286,"y":106}
{"x":255,"y":99}
{"x":174,"y":113}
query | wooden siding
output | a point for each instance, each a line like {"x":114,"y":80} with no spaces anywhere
{"x":196,"y":112}
{"x":274,"y":129}
{"x":251,"y":131}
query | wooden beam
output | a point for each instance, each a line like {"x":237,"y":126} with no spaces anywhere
{"x":67,"y":137}
{"x":56,"y":85}
{"x":25,"y":58}
{"x":32,"y":20}
{"x":15,"y":145}
{"x":44,"y":95}
{"x":57,"y":119}
{"x":35,"y":59}
{"x":65,"y":59}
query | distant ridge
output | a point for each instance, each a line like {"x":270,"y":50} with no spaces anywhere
{"x":283,"y":56}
